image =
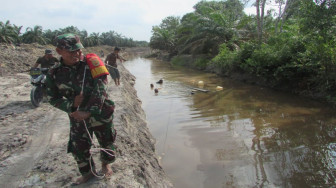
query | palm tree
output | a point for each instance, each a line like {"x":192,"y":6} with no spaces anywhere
{"x":85,"y":38}
{"x":247,"y":28}
{"x":51,"y":35}
{"x":71,"y":29}
{"x":35,"y":35}
{"x":9,"y":33}
{"x":205,"y":32}
{"x":210,"y":25}
{"x":165,"y":35}
{"x":104,"y":38}
{"x":162,"y":39}
{"x":96,"y":39}
{"x":109,"y":38}
{"x":118,"y":39}
{"x":88,"y":41}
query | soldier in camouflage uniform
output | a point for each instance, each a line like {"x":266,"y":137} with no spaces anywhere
{"x":64,"y":84}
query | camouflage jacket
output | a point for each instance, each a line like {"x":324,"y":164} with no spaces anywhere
{"x":64,"y":83}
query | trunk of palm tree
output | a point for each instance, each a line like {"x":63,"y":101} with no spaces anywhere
{"x":283,"y":16}
{"x":280,"y":13}
{"x":260,"y":6}
{"x":258,"y":19}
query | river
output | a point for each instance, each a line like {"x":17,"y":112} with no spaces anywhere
{"x":241,"y":136}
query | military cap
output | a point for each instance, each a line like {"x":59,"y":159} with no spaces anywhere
{"x":47,"y":51}
{"x":69,"y":41}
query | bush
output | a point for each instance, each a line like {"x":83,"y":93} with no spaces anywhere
{"x":262,"y":63}
{"x":201,"y":62}
{"x":182,"y":60}
{"x":226,"y":61}
{"x":321,"y":57}
{"x":279,"y":61}
{"x":198,"y":62}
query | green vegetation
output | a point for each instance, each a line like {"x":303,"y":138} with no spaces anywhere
{"x":11,"y":34}
{"x":293,"y":47}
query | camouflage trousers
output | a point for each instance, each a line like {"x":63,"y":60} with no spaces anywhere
{"x":79,"y":143}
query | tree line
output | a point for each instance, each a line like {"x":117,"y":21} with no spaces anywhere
{"x":292,"y":46}
{"x":11,"y":34}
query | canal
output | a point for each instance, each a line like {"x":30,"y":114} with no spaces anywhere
{"x":241,"y":136}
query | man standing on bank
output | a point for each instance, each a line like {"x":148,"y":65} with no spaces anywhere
{"x":73,"y":88}
{"x":111,"y":62}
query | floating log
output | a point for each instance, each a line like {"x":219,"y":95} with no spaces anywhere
{"x":199,"y":89}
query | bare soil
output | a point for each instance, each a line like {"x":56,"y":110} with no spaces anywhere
{"x":33,"y":141}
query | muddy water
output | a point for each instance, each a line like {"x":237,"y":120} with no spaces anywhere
{"x":242,"y":136}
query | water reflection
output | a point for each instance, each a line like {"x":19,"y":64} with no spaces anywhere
{"x":242,"y":136}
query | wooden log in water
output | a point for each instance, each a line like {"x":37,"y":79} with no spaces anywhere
{"x":199,"y":89}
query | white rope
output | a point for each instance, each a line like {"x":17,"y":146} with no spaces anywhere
{"x":96,"y":149}
{"x":168,"y":122}
{"x":83,"y":79}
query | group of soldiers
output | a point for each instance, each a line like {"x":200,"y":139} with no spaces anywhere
{"x":72,"y":88}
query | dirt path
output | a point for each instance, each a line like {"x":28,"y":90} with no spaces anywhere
{"x":22,"y":162}
{"x":27,"y":131}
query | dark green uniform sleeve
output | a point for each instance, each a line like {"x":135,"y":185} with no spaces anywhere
{"x":39,"y":60}
{"x":55,"y":59}
{"x":97,"y":96}
{"x":55,"y":99}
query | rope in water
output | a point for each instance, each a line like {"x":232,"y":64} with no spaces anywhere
{"x":167,"y":126}
{"x":95,"y":148}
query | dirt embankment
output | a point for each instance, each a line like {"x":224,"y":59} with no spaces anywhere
{"x":33,"y":141}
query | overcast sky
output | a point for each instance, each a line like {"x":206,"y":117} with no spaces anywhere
{"x":131,"y":18}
